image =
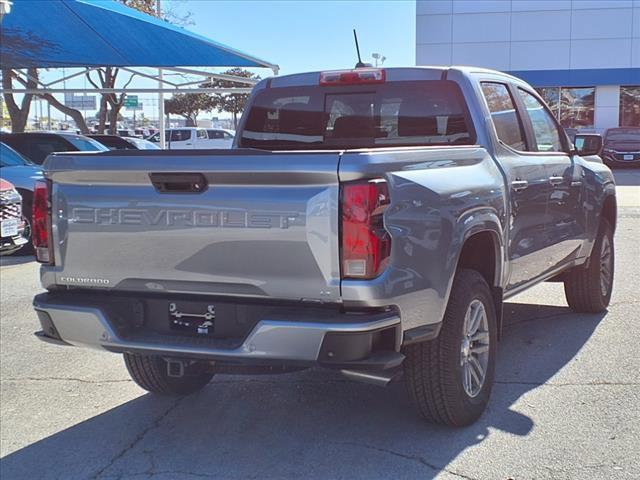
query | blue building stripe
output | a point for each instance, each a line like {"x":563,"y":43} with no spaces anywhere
{"x":580,"y":77}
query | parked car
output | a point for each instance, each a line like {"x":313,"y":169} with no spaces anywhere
{"x":621,"y":147}
{"x":141,"y":132}
{"x":371,"y":221}
{"x":190,"y":138}
{"x":114,"y":142}
{"x":36,"y":146}
{"x":11,"y":222}
{"x":126,"y":132}
{"x":142,"y":144}
{"x":23,"y":175}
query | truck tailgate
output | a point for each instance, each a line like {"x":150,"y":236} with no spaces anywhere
{"x":239,"y":222}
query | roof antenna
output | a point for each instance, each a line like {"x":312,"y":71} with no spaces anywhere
{"x":359,"y":64}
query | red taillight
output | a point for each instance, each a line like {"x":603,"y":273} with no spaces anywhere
{"x":40,"y":223}
{"x":366,"y":245}
{"x":352,"y":77}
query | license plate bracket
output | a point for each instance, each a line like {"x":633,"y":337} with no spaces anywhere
{"x":195,"y":321}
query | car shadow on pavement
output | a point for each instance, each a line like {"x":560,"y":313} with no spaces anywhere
{"x":9,"y":260}
{"x":627,"y":176}
{"x":311,"y":424}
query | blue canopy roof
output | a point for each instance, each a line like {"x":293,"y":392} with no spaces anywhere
{"x":88,"y":33}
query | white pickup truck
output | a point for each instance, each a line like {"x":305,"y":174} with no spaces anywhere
{"x":194,"y":138}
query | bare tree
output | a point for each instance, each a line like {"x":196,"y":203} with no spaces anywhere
{"x":19,"y":114}
{"x":110,"y":103}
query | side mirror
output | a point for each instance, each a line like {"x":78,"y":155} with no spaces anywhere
{"x":588,"y":144}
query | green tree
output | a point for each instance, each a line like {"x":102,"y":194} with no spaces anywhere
{"x":189,"y":106}
{"x":233,"y":103}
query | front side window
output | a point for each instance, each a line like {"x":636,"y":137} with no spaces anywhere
{"x":358,"y":116}
{"x":504,"y":115}
{"x":630,"y":106}
{"x":545,"y":131}
{"x":202,"y":134}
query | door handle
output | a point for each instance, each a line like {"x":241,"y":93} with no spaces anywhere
{"x":519,"y":185}
{"x":556,"y":180}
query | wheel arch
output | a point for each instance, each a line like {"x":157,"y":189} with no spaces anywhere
{"x":483,"y":251}
{"x":609,"y":210}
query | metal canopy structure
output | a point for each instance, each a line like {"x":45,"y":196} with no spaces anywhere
{"x":92,"y":33}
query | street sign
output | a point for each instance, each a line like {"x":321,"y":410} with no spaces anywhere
{"x":137,"y":107}
{"x":80,"y":102}
{"x":131,"y":101}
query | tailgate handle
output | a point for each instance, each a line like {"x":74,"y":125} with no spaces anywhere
{"x":179,"y":182}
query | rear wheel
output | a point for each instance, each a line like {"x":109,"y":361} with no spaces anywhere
{"x":150,"y":373}
{"x":588,"y":287}
{"x":449,"y":379}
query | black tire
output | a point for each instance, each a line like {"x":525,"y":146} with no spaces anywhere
{"x":582,"y":285}
{"x":150,"y":373}
{"x":27,"y":248}
{"x":433,"y":369}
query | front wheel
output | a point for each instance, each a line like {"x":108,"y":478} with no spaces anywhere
{"x":449,"y":379}
{"x":588,"y":287}
{"x":150,"y":373}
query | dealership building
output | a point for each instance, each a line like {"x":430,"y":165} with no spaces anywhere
{"x":583,"y":56}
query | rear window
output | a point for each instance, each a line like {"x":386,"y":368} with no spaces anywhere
{"x":85,"y":144}
{"x":366,"y":116}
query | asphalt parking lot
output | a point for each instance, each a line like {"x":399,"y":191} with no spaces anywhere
{"x":566,"y":403}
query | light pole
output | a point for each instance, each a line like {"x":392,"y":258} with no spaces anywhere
{"x":161,"y":94}
{"x":377,"y":57}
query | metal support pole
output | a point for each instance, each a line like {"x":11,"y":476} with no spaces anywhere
{"x":161,"y":125}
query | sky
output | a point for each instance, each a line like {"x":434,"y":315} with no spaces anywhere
{"x":299,"y":36}
{"x":306,"y":34}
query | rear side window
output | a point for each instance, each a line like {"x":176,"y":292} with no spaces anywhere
{"x":503,"y":114}
{"x":544,"y":128}
{"x":363,"y":116}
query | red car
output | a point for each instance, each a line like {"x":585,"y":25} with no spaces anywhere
{"x":11,"y":220}
{"x":621,"y":146}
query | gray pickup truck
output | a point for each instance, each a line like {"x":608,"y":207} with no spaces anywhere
{"x":371,"y":221}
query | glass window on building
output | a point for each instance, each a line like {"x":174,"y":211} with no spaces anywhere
{"x":630,"y":106}
{"x":573,"y":107}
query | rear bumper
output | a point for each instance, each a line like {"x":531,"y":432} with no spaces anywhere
{"x":369,"y":341}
